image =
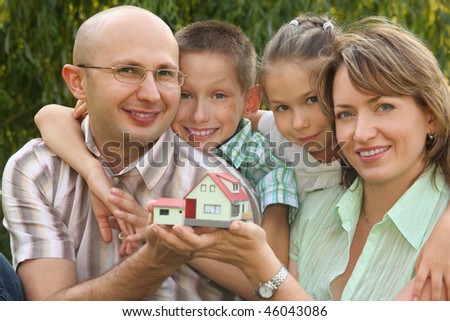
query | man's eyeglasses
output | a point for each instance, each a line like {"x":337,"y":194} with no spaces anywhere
{"x":135,"y":74}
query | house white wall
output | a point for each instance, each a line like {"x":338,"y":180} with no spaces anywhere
{"x":175,"y":216}
{"x":208,"y":193}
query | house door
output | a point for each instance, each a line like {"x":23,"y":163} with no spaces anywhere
{"x":191,"y":205}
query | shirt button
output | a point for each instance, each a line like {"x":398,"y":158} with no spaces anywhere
{"x":115,"y":181}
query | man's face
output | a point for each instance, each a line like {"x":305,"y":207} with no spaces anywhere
{"x":140,"y":112}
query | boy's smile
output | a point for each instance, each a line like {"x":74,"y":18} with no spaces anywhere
{"x":212,"y":100}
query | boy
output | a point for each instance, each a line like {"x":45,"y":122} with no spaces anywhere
{"x":220,"y":90}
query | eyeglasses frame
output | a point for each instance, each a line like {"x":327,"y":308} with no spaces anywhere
{"x":181,"y":75}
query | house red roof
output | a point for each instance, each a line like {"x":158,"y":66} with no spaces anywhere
{"x":241,"y":195}
{"x":169,"y":202}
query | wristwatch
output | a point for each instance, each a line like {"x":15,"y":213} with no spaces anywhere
{"x":266,"y":290}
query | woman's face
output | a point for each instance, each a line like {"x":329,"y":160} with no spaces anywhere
{"x":382,"y":137}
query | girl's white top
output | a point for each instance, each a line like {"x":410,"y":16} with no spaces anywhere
{"x":310,"y":173}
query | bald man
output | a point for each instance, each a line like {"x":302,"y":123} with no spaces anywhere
{"x":126,"y":68}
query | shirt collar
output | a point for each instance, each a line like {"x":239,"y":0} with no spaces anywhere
{"x":151,"y":166}
{"x":234,"y":146}
{"x":348,"y":207}
{"x":411,"y":214}
{"x":88,"y":138}
{"x":154,"y":163}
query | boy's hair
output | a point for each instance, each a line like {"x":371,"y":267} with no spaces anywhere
{"x":383,"y":58}
{"x":222,"y":38}
{"x":305,"y":40}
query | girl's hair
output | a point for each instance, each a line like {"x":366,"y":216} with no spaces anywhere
{"x":225,"y":39}
{"x":305,"y":40}
{"x":382,"y":58}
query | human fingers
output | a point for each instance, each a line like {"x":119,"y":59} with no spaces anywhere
{"x":199,"y":238}
{"x":204,"y":229}
{"x":133,"y":220}
{"x":131,"y":243}
{"x":447,"y":287}
{"x":80,"y":109}
{"x":137,"y":237}
{"x":421,"y":277}
{"x":105,"y":228}
{"x":130,"y":247}
{"x":80,"y":103}
{"x":199,"y":235}
{"x":126,"y":202}
{"x":171,"y":240}
{"x":167,"y":240}
{"x":122,"y":194}
{"x":127,"y":247}
{"x":125,"y":227}
{"x":123,"y":245}
{"x":113,"y":223}
{"x":247,"y":230}
{"x":130,"y":215}
{"x":437,"y":282}
{"x":217,"y":245}
{"x":102,"y":215}
{"x":241,"y":239}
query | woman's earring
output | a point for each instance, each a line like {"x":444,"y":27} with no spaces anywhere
{"x":430,"y":138}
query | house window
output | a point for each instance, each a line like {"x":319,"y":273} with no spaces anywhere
{"x":203,"y":188}
{"x":235,"y":210}
{"x":211,"y":209}
{"x":163,"y":212}
{"x":235,"y":187}
{"x":212,"y":188}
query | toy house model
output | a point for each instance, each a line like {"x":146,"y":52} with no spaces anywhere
{"x":216,"y":201}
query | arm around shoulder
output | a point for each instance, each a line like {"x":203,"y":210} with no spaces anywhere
{"x":62,"y":134}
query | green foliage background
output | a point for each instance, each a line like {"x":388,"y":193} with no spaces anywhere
{"x":36,"y":38}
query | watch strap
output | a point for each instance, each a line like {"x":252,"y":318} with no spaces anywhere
{"x":279,"y":277}
{"x":274,"y":282}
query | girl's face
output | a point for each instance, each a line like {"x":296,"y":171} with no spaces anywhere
{"x":292,"y":96}
{"x":384,"y":136}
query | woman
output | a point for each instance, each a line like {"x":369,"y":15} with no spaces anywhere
{"x":391,"y":108}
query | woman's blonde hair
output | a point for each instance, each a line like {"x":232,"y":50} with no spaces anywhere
{"x":383,"y":58}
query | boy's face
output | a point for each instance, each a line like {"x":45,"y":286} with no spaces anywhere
{"x":212,"y":100}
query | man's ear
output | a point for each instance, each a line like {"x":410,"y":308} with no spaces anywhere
{"x":75,"y":80}
{"x":253,"y":101}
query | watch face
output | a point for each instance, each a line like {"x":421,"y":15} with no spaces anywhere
{"x":265,"y":291}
